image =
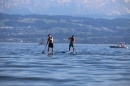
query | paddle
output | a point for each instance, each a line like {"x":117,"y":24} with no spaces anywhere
{"x":43,"y":52}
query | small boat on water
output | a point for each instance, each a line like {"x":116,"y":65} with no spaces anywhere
{"x":118,"y":46}
{"x":121,"y":45}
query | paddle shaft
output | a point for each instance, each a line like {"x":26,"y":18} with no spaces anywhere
{"x":45,"y":47}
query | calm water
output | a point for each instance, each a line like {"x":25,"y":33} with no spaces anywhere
{"x":23,"y":64}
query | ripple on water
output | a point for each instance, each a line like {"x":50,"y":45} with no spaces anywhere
{"x":23,"y":64}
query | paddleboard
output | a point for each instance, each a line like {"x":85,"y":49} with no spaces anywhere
{"x":62,"y":52}
{"x":43,"y":52}
{"x":72,"y":53}
{"x":50,"y":53}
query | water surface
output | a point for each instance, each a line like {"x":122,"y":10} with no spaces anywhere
{"x":23,"y":64}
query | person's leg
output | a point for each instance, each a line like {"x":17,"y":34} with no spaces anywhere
{"x":70,"y":45}
{"x":52,"y":50}
{"x":52,"y":47}
{"x":69,"y":48}
{"x":73,"y":47}
{"x":48,"y":49}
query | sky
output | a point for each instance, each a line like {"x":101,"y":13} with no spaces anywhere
{"x":66,"y":7}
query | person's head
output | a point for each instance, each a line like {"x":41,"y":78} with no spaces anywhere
{"x":72,"y":35}
{"x":49,"y":35}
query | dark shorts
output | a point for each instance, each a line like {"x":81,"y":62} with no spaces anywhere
{"x":71,"y":45}
{"x":50,"y":45}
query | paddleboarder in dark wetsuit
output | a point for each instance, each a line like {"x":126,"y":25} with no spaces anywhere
{"x":72,"y":41}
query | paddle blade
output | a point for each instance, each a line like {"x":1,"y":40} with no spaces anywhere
{"x":63,"y":52}
{"x":43,"y":52}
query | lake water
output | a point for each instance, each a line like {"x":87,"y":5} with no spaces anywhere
{"x":23,"y":64}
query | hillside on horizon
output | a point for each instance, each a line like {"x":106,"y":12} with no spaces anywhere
{"x":34,"y":28}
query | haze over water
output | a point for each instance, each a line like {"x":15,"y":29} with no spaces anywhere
{"x":23,"y":64}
